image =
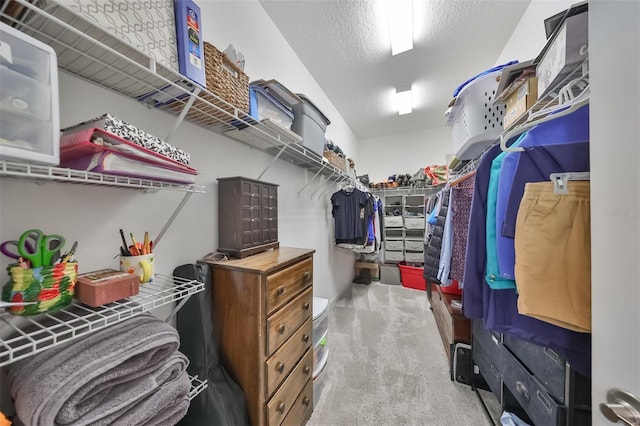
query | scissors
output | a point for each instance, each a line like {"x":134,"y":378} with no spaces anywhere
{"x":44,"y":249}
{"x":10,"y":248}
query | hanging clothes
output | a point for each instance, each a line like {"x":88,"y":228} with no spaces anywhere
{"x":352,"y":211}
{"x":461,"y":195}
{"x":432,"y":252}
{"x":498,"y":308}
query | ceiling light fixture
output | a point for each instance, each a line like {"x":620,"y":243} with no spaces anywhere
{"x":400,"y":18}
{"x":404,"y":101}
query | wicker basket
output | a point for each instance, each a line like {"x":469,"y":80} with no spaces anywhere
{"x":335,"y":160}
{"x":227,"y":81}
{"x":51,"y":287}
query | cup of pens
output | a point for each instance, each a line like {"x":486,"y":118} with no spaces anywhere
{"x":138,"y":258}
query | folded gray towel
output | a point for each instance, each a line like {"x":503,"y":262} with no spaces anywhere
{"x":98,"y":379}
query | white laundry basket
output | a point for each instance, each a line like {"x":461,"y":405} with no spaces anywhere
{"x":475,"y":121}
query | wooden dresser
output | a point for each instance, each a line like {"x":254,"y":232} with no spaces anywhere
{"x":262,"y":312}
{"x":247,"y":216}
{"x":454,"y":327}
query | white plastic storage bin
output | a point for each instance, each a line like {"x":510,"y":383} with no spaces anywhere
{"x":475,"y":121}
{"x":29,"y":104}
{"x":320,"y":319}
{"x":310,"y":123}
{"x":262,"y":106}
{"x":393,"y":221}
{"x":319,"y":378}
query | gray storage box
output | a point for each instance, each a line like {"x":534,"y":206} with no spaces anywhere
{"x":310,"y":123}
{"x":390,"y":274}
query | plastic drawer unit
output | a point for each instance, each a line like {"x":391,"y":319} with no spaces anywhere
{"x":29,"y":111}
{"x":310,"y":123}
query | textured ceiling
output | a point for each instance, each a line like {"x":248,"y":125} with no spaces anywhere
{"x":345,"y":46}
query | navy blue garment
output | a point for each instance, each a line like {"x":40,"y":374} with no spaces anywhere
{"x":475,"y":256}
{"x":498,"y":308}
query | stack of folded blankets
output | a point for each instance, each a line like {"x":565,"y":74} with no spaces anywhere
{"x":130,"y":373}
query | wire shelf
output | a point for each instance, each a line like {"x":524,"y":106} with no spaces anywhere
{"x":26,"y":336}
{"x":197,"y":386}
{"x":57,"y":174}
{"x":95,"y":55}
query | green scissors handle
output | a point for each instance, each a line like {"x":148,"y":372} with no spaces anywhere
{"x":44,"y":249}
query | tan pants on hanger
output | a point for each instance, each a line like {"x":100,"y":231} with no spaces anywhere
{"x":553,"y":255}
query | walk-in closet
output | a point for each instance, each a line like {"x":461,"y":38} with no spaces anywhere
{"x":321,"y":213}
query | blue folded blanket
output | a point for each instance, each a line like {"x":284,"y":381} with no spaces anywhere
{"x":128,"y":373}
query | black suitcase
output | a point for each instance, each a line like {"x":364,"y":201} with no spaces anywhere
{"x":222,"y":403}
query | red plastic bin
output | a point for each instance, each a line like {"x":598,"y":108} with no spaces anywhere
{"x":453,"y":289}
{"x":411,"y":276}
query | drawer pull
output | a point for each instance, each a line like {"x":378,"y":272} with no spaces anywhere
{"x":522,"y":390}
{"x":306,"y":275}
{"x":306,"y":306}
{"x":307,"y":369}
{"x":551,"y":354}
{"x":280,"y":367}
{"x":544,"y":401}
{"x":305,"y":338}
{"x":306,"y":401}
{"x":281,"y":329}
{"x":280,"y":291}
{"x":280,"y":407}
{"x":495,"y":371}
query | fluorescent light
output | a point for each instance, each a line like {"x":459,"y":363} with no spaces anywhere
{"x":404,"y":102}
{"x":400,"y":17}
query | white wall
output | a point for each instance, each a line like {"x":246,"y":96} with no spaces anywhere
{"x":529,"y":37}
{"x":402,"y":153}
{"x":93,"y":215}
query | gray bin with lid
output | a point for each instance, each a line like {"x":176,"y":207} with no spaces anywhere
{"x":310,"y":123}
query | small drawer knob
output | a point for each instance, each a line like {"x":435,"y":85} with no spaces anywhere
{"x":306,"y":306}
{"x":280,"y":367}
{"x":280,"y":407}
{"x":307,"y":369}
{"x":306,"y":275}
{"x":306,"y":401}
{"x":305,"y":338}
{"x":281,"y":329}
{"x":280,"y":290}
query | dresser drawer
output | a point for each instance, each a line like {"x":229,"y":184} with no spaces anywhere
{"x":285,"y":358}
{"x":282,"y":401}
{"x":489,"y":340}
{"x":286,"y":321}
{"x":302,"y":407}
{"x":489,"y":367}
{"x":530,"y":394}
{"x":545,"y":364}
{"x":282,"y":286}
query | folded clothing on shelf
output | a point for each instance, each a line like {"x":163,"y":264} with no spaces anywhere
{"x":133,"y":134}
{"x":129,"y":373}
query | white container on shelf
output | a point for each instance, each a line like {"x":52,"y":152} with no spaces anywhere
{"x":29,"y":103}
{"x":474,"y":120}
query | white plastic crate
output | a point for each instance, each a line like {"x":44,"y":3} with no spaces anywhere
{"x":474,"y":120}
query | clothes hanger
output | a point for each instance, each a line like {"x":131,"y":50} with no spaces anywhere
{"x":560,"y":180}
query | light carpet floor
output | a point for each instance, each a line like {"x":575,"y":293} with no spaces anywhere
{"x":387,"y":365}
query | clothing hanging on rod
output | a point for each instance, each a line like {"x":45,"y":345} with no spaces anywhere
{"x":352,"y":212}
